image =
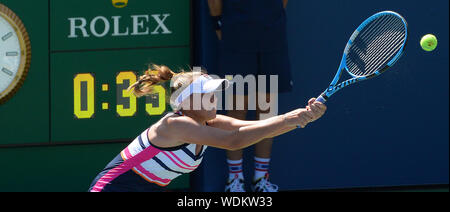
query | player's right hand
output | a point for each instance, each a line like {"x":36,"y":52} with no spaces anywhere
{"x":317,"y":109}
{"x":303,"y":116}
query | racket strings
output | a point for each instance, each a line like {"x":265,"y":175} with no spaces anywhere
{"x":375,"y":45}
{"x":372,"y":62}
{"x":378,"y":27}
{"x":375,"y":35}
{"x":360,"y":49}
{"x":377,"y":54}
{"x":390,"y":52}
{"x":374,"y":26}
{"x":395,"y":41}
{"x":358,"y":43}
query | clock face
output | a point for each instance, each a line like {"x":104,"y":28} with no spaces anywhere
{"x":9,"y":54}
{"x":15,"y":53}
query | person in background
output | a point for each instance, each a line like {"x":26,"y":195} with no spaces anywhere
{"x":253,"y":41}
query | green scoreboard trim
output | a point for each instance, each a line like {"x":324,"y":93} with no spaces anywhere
{"x":95,"y":50}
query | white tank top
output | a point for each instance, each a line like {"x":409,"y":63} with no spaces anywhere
{"x":161,"y":165}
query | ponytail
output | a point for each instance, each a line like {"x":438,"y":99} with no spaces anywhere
{"x":157,"y":74}
{"x":153,"y":76}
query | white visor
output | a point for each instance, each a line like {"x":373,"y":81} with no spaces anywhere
{"x":203,"y":84}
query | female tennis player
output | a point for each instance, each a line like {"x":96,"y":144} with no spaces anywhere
{"x":176,"y":143}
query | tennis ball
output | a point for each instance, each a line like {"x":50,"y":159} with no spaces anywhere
{"x":428,"y":42}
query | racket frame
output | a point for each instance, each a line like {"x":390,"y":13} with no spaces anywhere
{"x":334,"y":86}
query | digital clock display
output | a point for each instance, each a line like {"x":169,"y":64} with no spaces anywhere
{"x":96,"y":101}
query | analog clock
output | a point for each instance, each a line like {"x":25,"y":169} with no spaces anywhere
{"x":15,"y":53}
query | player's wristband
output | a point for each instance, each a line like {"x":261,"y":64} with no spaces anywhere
{"x":217,"y":22}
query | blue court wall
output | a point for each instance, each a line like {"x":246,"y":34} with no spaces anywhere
{"x":389,"y":131}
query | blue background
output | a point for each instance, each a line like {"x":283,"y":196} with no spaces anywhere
{"x":389,"y":131}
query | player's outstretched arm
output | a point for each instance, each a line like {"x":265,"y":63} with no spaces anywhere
{"x":317,"y":109}
{"x":232,"y":134}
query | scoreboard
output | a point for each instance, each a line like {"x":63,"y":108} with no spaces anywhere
{"x":84,"y":55}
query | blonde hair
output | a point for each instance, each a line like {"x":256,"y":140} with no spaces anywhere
{"x":158,"y":74}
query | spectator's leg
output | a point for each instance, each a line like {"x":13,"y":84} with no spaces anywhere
{"x":263,"y":150}
{"x":236,"y":156}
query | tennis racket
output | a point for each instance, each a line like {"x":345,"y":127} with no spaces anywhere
{"x":373,"y":48}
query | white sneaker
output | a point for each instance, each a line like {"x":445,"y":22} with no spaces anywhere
{"x":236,"y":185}
{"x":263,"y":185}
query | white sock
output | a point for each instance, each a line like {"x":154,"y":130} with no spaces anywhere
{"x":235,"y":169}
{"x":261,"y":168}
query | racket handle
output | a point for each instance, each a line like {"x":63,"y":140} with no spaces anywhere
{"x":321,"y":99}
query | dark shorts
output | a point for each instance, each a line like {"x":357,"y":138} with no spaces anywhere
{"x":127,"y":182}
{"x":257,"y":63}
{"x":254,"y":41}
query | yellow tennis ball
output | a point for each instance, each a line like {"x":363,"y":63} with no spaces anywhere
{"x":428,"y":42}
